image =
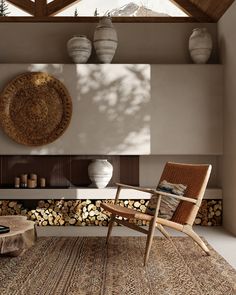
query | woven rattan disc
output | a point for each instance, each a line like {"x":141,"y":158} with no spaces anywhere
{"x":35,"y":109}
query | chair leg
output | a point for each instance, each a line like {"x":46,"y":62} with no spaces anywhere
{"x":191,"y":233}
{"x":149,"y":241}
{"x":110,"y":225}
{"x":162,"y":230}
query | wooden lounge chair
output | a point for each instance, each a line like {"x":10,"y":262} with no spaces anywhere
{"x":195,"y":177}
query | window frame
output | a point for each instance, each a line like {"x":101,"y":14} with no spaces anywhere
{"x":93,"y":19}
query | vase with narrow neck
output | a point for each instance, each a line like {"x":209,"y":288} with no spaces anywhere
{"x":100,"y":172}
{"x":200,"y":45}
{"x":105,"y":40}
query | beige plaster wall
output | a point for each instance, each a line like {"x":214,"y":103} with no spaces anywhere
{"x":152,"y":166}
{"x":227,"y":43}
{"x":116,"y":112}
{"x":110,"y":113}
{"x":186,"y":113}
{"x":138,"y":43}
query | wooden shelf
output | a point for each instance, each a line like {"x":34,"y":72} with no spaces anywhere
{"x":81,"y":193}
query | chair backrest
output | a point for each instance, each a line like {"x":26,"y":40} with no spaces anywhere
{"x":196,"y":177}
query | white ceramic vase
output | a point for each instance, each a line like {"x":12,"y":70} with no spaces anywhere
{"x":100,"y":172}
{"x":200,"y":45}
{"x":105,"y":40}
{"x":79,"y":49}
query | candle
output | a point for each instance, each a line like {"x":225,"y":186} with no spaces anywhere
{"x":23,"y":180}
{"x":42,"y":182}
{"x":34,"y":177}
{"x":17,"y":182}
{"x":31,"y":183}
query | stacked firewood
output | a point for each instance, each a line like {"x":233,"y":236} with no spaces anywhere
{"x":210,"y":213}
{"x":12,"y":208}
{"x":60,"y":212}
{"x":89,"y":212}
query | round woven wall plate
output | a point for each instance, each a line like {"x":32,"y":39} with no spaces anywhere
{"x":35,"y":109}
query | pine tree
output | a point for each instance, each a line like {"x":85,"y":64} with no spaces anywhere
{"x":76,"y":12}
{"x":96,"y":12}
{"x":3,"y":8}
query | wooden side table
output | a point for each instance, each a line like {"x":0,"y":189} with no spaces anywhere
{"x":21,"y":237}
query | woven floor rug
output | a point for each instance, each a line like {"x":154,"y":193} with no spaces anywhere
{"x":84,"y":266}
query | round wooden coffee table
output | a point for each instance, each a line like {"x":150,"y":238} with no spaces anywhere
{"x":22,"y":235}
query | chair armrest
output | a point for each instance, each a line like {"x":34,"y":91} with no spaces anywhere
{"x":182,"y":198}
{"x":137,"y":188}
{"x":155,"y":192}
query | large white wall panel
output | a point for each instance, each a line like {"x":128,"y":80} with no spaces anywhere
{"x":116,"y":112}
{"x":111,"y":109}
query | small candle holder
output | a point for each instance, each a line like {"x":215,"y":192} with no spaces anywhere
{"x":23,"y":180}
{"x":31,"y":183}
{"x":17,"y":182}
{"x":34,"y":177}
{"x":42,"y":182}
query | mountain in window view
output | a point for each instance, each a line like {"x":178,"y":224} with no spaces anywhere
{"x":133,"y":9}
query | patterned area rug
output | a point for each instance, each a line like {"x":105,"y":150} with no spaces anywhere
{"x":84,"y":266}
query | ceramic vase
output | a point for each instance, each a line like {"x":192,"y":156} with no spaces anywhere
{"x":200,"y":45}
{"x":100,"y":172}
{"x":79,"y":49}
{"x":105,"y":40}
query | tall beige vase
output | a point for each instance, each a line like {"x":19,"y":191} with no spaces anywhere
{"x":200,"y":45}
{"x":105,"y":40}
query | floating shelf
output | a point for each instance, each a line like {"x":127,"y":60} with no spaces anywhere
{"x":81,"y":193}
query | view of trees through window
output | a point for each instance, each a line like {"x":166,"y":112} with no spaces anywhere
{"x":134,"y":8}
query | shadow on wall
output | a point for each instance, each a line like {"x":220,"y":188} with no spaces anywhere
{"x":111,"y":109}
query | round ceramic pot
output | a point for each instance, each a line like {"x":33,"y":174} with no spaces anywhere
{"x":105,"y":40}
{"x":100,"y":172}
{"x":79,"y":49}
{"x":200,"y":45}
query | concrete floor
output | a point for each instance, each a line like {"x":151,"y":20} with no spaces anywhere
{"x":222,"y":241}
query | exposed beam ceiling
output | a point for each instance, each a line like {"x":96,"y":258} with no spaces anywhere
{"x":192,"y":10}
{"x":198,"y":10}
{"x":26,"y":5}
{"x":213,"y":8}
{"x":40,"y":8}
{"x":56,"y":6}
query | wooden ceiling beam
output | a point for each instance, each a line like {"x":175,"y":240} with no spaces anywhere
{"x":40,"y":8}
{"x":26,"y":5}
{"x":214,"y":8}
{"x":192,"y":10}
{"x":218,"y":14}
{"x":57,"y":6}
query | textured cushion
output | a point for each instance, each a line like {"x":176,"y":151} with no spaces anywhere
{"x":168,"y":205}
{"x":173,"y":188}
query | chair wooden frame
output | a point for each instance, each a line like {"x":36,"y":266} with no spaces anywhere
{"x":154,"y":220}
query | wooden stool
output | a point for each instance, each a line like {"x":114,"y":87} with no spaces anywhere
{"x":21,"y":237}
